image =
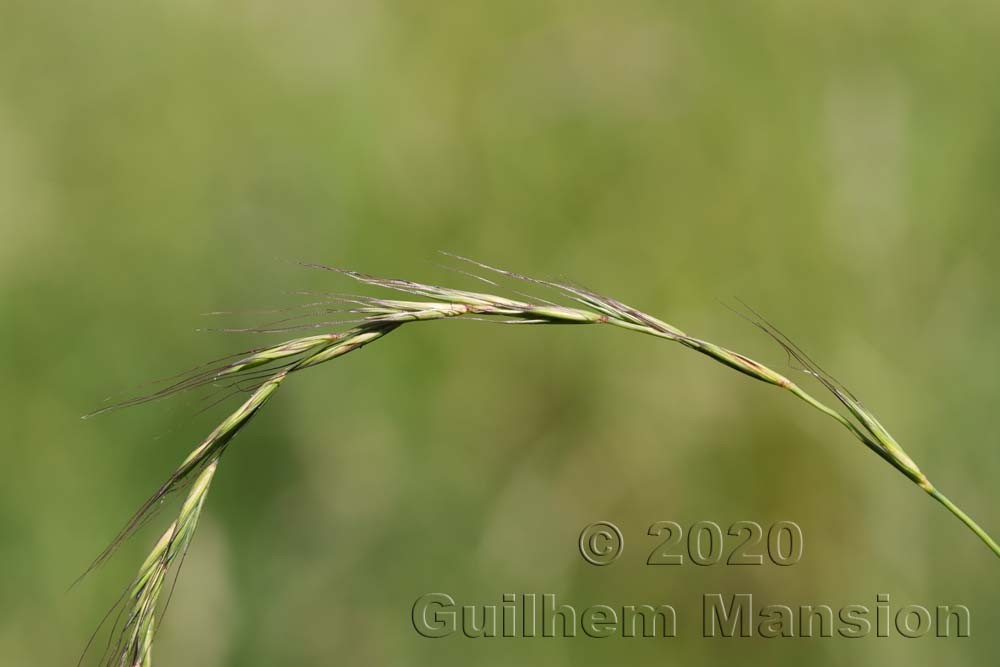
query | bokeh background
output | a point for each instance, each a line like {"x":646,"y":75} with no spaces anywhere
{"x":833,"y":164}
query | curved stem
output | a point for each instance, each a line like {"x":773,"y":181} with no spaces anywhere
{"x":966,"y":519}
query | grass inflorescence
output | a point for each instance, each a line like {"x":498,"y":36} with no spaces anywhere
{"x":261,"y":372}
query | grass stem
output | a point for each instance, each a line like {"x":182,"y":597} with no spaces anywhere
{"x":260,"y":372}
{"x":965,"y":518}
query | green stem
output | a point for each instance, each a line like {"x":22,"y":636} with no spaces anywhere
{"x":808,"y":398}
{"x":910,"y":471}
{"x":915,"y":476}
{"x":966,"y":519}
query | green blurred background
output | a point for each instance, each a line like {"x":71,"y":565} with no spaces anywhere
{"x":833,"y":164}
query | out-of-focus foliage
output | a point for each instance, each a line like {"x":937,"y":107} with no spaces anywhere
{"x":834,"y":164}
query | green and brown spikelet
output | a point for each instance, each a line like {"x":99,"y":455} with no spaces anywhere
{"x":260,"y":372}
